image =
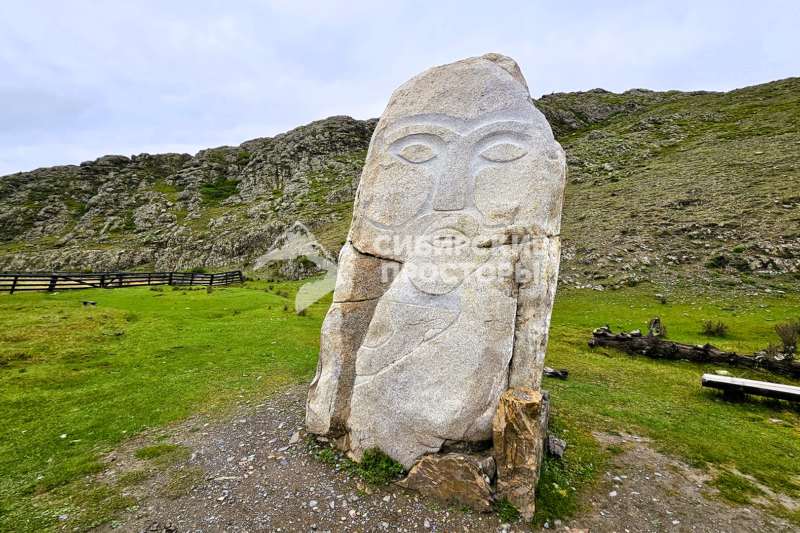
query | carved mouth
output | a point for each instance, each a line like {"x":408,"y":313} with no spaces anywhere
{"x":447,"y":238}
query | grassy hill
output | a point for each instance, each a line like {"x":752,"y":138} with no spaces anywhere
{"x":682,"y":189}
{"x":700,"y":188}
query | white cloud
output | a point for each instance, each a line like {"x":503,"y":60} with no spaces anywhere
{"x":119,"y":77}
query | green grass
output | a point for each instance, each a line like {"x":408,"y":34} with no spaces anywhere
{"x":65,"y":372}
{"x":375,"y":467}
{"x":662,"y":399}
{"x":560,"y":481}
{"x":506,"y":511}
{"x":162,"y":451}
{"x":735,"y":488}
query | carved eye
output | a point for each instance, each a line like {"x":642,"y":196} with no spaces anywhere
{"x":503,"y":153}
{"x":447,"y":238}
{"x":417,"y":153}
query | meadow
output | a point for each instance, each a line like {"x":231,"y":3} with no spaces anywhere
{"x":77,"y":381}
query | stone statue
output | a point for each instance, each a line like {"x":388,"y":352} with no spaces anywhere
{"x":447,"y":279}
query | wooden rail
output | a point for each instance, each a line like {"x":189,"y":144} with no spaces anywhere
{"x":43,"y":281}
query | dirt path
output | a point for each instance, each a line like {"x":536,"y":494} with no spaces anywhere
{"x":256,"y":473}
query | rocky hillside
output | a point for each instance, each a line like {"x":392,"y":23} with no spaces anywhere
{"x":676,"y":188}
{"x":221,"y":208}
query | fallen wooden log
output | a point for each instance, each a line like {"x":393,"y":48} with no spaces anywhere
{"x":651,"y":346}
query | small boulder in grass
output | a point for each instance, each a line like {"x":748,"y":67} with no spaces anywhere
{"x":555,"y":446}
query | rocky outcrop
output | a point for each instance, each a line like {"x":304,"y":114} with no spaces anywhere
{"x":222,"y":207}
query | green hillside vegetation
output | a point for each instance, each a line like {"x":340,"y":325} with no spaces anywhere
{"x":683,"y":188}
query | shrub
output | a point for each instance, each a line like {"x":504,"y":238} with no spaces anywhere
{"x":197,"y":270}
{"x":285,"y":307}
{"x":209,"y":289}
{"x":327,"y":455}
{"x":216,"y":191}
{"x":302,"y":312}
{"x":657,"y":327}
{"x":739,"y":249}
{"x":717,"y":261}
{"x":711,"y":329}
{"x":773,"y":349}
{"x":788,"y":334}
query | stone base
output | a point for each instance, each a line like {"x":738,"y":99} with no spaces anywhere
{"x":463,"y":479}
{"x":510,"y":469}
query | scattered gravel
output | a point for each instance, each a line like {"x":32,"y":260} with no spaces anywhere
{"x":257,"y":473}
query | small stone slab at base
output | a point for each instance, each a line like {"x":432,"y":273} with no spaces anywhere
{"x":464,"y":479}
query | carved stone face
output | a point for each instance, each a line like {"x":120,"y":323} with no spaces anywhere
{"x":451,"y":179}
{"x":444,"y":165}
{"x":461,"y":164}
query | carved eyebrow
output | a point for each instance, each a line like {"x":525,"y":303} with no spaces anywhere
{"x":398,"y":132}
{"x":460,"y":126}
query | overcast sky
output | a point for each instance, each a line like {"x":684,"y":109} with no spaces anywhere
{"x":79,"y":80}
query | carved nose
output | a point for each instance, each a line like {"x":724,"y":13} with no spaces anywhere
{"x":451,"y":189}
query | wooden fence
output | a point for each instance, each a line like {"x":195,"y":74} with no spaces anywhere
{"x":58,"y":281}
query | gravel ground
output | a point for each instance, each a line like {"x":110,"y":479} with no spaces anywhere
{"x":256,"y":472}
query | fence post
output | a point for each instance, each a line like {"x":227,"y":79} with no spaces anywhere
{"x":191,"y":280}
{"x":102,"y":281}
{"x":211,"y":281}
{"x":53,"y":281}
{"x":14,"y":284}
{"x":149,"y":277}
{"x":170,"y":278}
{"x":241,"y":276}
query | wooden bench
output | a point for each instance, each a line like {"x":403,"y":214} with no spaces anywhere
{"x":736,"y":388}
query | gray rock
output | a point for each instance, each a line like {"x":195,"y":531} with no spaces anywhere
{"x":451,"y":261}
{"x":555,"y":446}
